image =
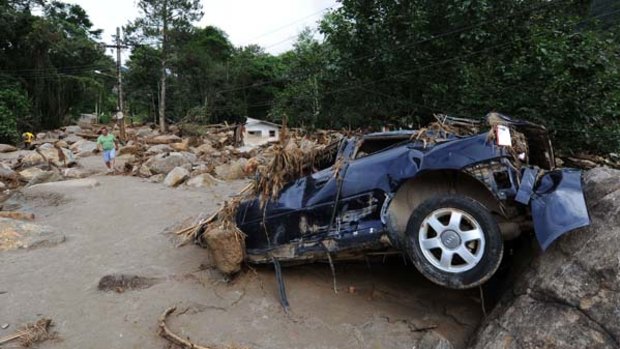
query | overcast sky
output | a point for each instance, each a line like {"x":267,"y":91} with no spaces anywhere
{"x":273,"y":24}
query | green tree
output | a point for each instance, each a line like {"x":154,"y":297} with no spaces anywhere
{"x":52,"y":58}
{"x":305,"y":74}
{"x":13,"y":106}
{"x":157,"y":19}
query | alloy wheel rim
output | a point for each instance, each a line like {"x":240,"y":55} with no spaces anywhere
{"x":451,"y":240}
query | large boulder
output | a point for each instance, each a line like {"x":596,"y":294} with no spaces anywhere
{"x":569,"y":297}
{"x":49,"y":153}
{"x":164,"y":163}
{"x":189,"y":156}
{"x":83,"y":147}
{"x":7,"y":148}
{"x":181,"y":146}
{"x":203,"y":149}
{"x":45,"y":177}
{"x":29,"y":173}
{"x":74,"y":173}
{"x":164,"y":139}
{"x":232,"y":170}
{"x":175,"y":177}
{"x":73,"y":129}
{"x":132,"y":149}
{"x":7,"y":174}
{"x":204,"y":180}
{"x":70,"y":139}
{"x":158,"y":149}
{"x":144,"y":132}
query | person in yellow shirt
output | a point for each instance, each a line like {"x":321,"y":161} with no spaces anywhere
{"x":28,"y":138}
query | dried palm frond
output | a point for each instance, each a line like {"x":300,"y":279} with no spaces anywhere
{"x":445,"y":127}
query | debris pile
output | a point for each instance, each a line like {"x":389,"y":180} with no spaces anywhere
{"x":31,"y":333}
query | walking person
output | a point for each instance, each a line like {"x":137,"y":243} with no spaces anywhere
{"x":107,"y":143}
{"x":28,"y":138}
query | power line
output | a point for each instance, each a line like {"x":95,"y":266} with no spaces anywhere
{"x":288,"y":25}
{"x":449,"y":60}
{"x":427,"y":40}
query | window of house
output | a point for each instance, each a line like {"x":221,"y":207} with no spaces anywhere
{"x":272,"y":133}
{"x":255,"y":133}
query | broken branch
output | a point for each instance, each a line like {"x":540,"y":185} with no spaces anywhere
{"x":166,"y":333}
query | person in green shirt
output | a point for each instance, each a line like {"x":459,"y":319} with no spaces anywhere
{"x":107,"y":143}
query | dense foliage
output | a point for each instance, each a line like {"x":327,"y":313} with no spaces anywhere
{"x":49,"y":61}
{"x":378,"y":63}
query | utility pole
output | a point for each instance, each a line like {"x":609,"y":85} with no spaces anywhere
{"x":119,"y":77}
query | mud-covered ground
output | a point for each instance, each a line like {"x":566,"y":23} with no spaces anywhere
{"x":118,"y":269}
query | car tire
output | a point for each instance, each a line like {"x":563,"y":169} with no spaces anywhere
{"x":454,"y":241}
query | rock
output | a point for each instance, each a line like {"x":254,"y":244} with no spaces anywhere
{"x":144,"y":132}
{"x":7,"y":174}
{"x":2,"y":186}
{"x":74,"y":173}
{"x":7,"y":148}
{"x":62,"y":144}
{"x":158,"y":149}
{"x":41,"y":135}
{"x":158,"y":178}
{"x":164,"y":163}
{"x":70,"y":139}
{"x":31,"y":172}
{"x":33,"y":158}
{"x":126,"y":158}
{"x":164,"y":139}
{"x":568,"y":297}
{"x":433,"y":340}
{"x":83,"y":147}
{"x":145,"y":171}
{"x":189,"y":156}
{"x":133,"y":149}
{"x":176,"y":177}
{"x":73,"y":129}
{"x":44,"y":177}
{"x":232,"y":170}
{"x":204,"y":180}
{"x":16,"y":234}
{"x":181,"y":146}
{"x":203,"y":149}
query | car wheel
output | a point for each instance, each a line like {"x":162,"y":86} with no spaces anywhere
{"x":454,"y":241}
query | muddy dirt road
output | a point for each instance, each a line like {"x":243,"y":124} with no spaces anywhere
{"x":119,"y":227}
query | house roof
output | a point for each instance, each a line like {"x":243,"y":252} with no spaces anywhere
{"x":252,"y":121}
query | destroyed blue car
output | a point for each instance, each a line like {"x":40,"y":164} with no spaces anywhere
{"x":448,"y":202}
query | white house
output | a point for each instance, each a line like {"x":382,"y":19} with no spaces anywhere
{"x":258,"y":132}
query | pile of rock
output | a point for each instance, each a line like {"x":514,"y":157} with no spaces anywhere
{"x":197,"y":156}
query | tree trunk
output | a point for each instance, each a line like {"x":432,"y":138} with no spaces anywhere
{"x":162,"y":99}
{"x":162,"y":92}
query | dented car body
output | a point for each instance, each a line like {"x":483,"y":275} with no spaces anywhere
{"x":369,"y":199}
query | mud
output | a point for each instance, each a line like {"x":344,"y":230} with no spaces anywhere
{"x":115,"y":231}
